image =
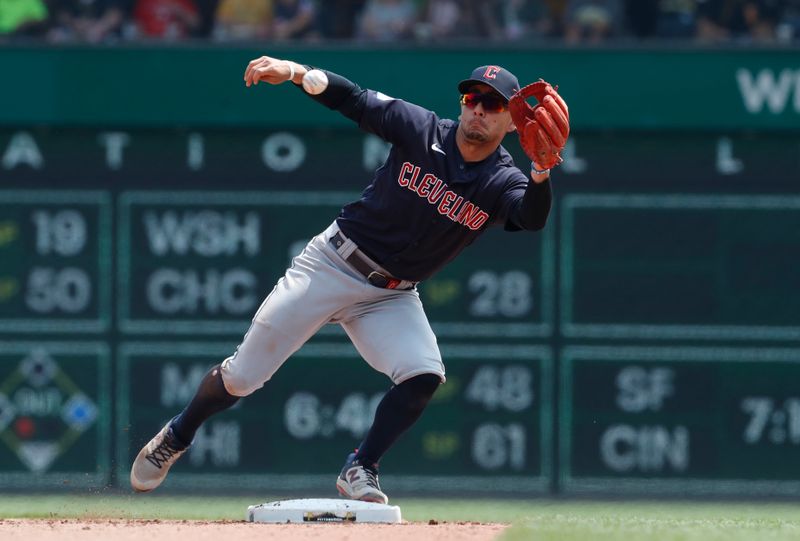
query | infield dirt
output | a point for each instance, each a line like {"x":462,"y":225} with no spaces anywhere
{"x":137,"y":530}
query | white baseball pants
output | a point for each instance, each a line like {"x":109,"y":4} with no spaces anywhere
{"x":388,"y":327}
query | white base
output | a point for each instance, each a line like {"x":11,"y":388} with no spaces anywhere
{"x":323,"y":510}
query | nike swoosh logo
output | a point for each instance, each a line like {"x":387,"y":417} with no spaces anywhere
{"x":436,"y":148}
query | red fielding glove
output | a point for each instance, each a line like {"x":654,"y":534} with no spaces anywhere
{"x":543,"y":129}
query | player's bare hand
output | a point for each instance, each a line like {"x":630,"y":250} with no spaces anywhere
{"x":271,"y":70}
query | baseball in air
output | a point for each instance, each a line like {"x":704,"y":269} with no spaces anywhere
{"x":315,"y":82}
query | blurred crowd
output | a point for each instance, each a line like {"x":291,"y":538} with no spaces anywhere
{"x":569,"y":21}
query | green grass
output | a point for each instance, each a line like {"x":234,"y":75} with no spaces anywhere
{"x":539,"y":520}
{"x":659,"y":522}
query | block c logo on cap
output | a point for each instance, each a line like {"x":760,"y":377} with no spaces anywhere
{"x":491,"y":72}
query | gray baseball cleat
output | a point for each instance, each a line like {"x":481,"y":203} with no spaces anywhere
{"x":155,"y":459}
{"x":360,"y":482}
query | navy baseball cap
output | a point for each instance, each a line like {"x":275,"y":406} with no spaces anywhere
{"x":502,"y":80}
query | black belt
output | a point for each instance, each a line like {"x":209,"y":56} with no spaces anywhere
{"x":374,"y":277}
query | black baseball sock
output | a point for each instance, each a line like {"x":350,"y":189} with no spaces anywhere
{"x":211,"y":397}
{"x":400,"y":407}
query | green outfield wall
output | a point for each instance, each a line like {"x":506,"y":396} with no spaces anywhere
{"x":646,"y":342}
{"x":648,"y":88}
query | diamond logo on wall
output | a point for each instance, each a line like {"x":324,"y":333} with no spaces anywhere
{"x":43,"y":412}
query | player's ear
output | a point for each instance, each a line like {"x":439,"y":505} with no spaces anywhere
{"x":511,"y":126}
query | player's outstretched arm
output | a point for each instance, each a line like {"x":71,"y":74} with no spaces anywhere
{"x":332,"y":90}
{"x":392,"y":120}
{"x":273,"y":71}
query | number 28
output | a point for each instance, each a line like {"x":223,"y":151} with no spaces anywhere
{"x":507,"y":294}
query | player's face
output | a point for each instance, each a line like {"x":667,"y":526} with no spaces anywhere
{"x":484,"y":115}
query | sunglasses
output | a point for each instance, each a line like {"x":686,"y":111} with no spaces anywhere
{"x":492,"y":103}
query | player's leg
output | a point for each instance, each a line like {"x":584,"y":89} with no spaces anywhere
{"x":397,"y":411}
{"x":154,"y":460}
{"x":295,"y":309}
{"x":394,"y":336}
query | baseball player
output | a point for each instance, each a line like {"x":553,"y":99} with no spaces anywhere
{"x":443,"y":184}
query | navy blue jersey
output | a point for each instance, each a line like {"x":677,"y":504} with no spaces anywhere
{"x":425,"y":204}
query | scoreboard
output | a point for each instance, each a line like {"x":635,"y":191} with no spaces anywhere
{"x":56,"y":252}
{"x":686,"y":420}
{"x":681,"y":266}
{"x":645,"y":342}
{"x":202,"y":262}
{"x":486,"y":430}
{"x":55,"y":414}
{"x":164,"y":278}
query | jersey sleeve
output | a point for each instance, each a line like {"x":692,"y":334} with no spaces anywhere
{"x":394,"y":120}
{"x":512,"y":196}
{"x":525,"y":205}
